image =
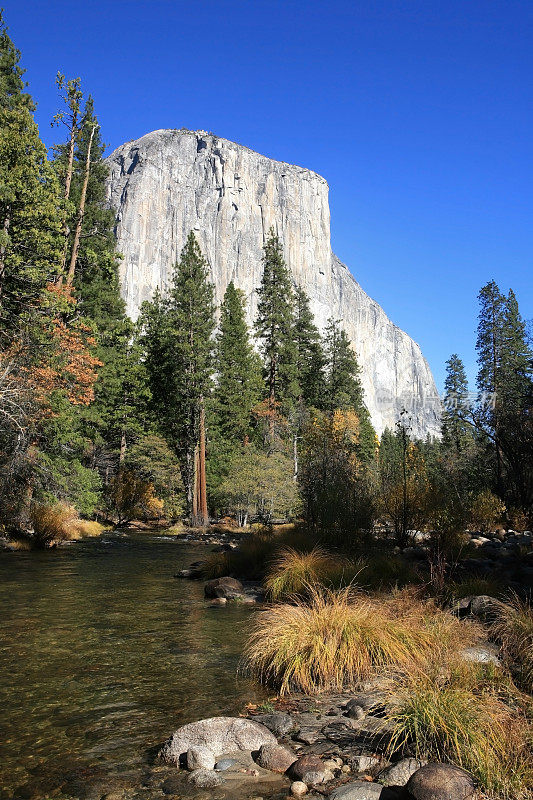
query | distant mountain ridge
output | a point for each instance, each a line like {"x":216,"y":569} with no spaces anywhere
{"x":169,"y":182}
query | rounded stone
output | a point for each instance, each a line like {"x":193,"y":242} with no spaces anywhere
{"x":309,"y":769}
{"x":205,"y":778}
{"x":200,"y":758}
{"x":275,"y":758}
{"x":398,"y":774}
{"x":438,"y":781}
{"x":298,"y":788}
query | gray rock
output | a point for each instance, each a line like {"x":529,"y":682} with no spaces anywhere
{"x":363,"y":763}
{"x":398,"y":774}
{"x":200,"y":757}
{"x":483,"y":607}
{"x":225,"y":764}
{"x":220,"y":734}
{"x":205,"y":778}
{"x":368,"y":701}
{"x":440,"y":782}
{"x":276,"y":758}
{"x":357,"y":790}
{"x":280,"y":724}
{"x":482,"y":654}
{"x":170,"y":182}
{"x":223,"y":587}
{"x":309,"y":769}
{"x":355,"y":711}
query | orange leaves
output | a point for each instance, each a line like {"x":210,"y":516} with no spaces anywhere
{"x":70,"y":366}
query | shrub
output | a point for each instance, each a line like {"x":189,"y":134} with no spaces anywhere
{"x":51,"y":522}
{"x":513,"y":627}
{"x":449,"y":714}
{"x":335,"y":638}
{"x":486,"y":511}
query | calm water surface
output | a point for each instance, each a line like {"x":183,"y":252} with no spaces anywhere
{"x":102,"y":655}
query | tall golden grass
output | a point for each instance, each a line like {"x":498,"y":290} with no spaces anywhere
{"x":292,"y":572}
{"x":513,"y":627}
{"x":335,"y":638}
{"x":447,"y":713}
{"x":57,"y":522}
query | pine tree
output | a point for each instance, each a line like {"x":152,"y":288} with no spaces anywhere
{"x":343,"y":388}
{"x":515,"y":418}
{"x":12,"y":85}
{"x":238,"y":371}
{"x":310,"y":358}
{"x":29,"y":202}
{"x":456,"y":431}
{"x":489,"y":347}
{"x":274,"y":329}
{"x":178,"y":344}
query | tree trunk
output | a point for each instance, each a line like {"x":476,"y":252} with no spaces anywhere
{"x":81,"y":212}
{"x":68,"y":181}
{"x":195,"y":492}
{"x":3,"y":248}
{"x":272,"y":401}
{"x":295,"y":456}
{"x":203,"y":518}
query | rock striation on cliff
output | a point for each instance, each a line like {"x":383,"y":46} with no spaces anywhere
{"x":169,"y":182}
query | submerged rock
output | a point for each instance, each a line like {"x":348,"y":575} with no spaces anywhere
{"x":205,"y":778}
{"x":223,"y":587}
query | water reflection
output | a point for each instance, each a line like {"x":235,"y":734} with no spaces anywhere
{"x":102,"y":654}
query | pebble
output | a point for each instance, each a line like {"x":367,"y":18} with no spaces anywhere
{"x":298,"y":788}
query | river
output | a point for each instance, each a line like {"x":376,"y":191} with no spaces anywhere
{"x":103,"y":653}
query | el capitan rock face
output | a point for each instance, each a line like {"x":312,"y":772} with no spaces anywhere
{"x":170,"y":182}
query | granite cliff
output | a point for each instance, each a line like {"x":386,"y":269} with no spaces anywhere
{"x":169,"y":182}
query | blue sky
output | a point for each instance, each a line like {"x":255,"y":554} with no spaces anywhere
{"x":418,"y":113}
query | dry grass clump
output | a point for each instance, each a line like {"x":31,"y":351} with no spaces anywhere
{"x":59,"y":522}
{"x":252,"y":559}
{"x":80,"y":528}
{"x":335,"y":638}
{"x":513,"y":628}
{"x":292,"y":572}
{"x":51,"y":522}
{"x":449,"y":714}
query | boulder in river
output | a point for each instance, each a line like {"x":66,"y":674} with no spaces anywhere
{"x":223,"y":587}
{"x":219,"y":734}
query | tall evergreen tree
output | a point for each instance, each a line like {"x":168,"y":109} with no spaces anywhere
{"x":115,"y":418}
{"x":310,"y":357}
{"x":238,"y":384}
{"x":489,"y":347}
{"x":456,"y":431}
{"x":343,"y":386}
{"x":274,"y":327}
{"x":515,"y":418}
{"x":179,"y":358}
{"x":29,"y":201}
